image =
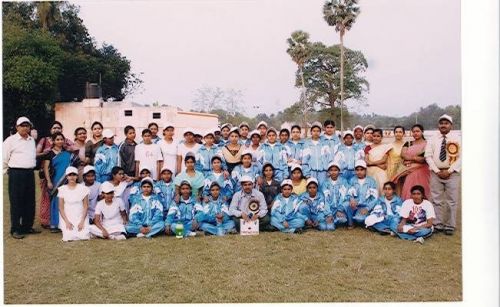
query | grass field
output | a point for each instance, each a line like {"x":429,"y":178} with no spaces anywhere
{"x":343,"y":266}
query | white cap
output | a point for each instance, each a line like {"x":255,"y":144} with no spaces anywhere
{"x":271,"y":129}
{"x":334,"y":163}
{"x":228,"y":125}
{"x":287,"y":182}
{"x":316,"y":124}
{"x":71,"y":170}
{"x":107,"y":133}
{"x":145,"y":167}
{"x":254,"y":132}
{"x":147,"y":179}
{"x":368,"y":126}
{"x":246,"y":178}
{"x":188,"y":129}
{"x":348,"y":132}
{"x":164,"y":168}
{"x":310,"y":180}
{"x":244,"y":124}
{"x":361,"y":163}
{"x":295,"y":166}
{"x":358,"y":127}
{"x":23,"y":119}
{"x":88,"y":168}
{"x":261,"y":123}
{"x":234,"y":129}
{"x":208,"y":132}
{"x":246,"y":151}
{"x":107,"y":187}
{"x":447,"y":117}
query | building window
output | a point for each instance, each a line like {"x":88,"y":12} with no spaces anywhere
{"x":156,"y":115}
{"x":128,"y":112}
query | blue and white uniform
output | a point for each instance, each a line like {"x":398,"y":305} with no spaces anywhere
{"x":365,"y":192}
{"x":335,"y":193}
{"x":276,"y":155}
{"x":346,"y":157}
{"x":204,"y":157}
{"x":239,"y":171}
{"x":206,"y":217}
{"x":316,"y":156}
{"x":106,"y":157}
{"x":182,"y":212}
{"x":145,"y":211}
{"x":333,"y":141}
{"x":389,"y":211}
{"x":294,"y":151}
{"x":226,"y":185}
{"x":166,"y":193}
{"x":287,"y":209}
{"x":316,"y":210}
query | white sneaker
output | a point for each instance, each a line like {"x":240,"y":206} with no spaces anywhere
{"x":192,"y":234}
{"x":112,"y":237}
{"x":120,"y":237}
{"x":419,"y":240}
{"x":140,"y":235}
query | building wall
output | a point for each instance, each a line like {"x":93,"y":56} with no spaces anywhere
{"x":112,"y":116}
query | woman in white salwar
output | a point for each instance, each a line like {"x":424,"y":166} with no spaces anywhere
{"x":73,"y":207}
{"x":110,"y":215}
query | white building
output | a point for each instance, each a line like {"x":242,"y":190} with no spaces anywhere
{"x":118,"y":114}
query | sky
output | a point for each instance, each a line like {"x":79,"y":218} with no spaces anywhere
{"x":412,"y":48}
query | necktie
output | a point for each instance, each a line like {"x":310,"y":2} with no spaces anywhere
{"x":442,"y":153}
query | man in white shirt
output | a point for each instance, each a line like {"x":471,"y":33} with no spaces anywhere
{"x":443,"y":155}
{"x":19,"y":161}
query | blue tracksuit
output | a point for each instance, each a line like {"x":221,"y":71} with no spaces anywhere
{"x":206,"y":217}
{"x":276,"y":155}
{"x":391,"y":215}
{"x":294,"y":150}
{"x":204,"y":158}
{"x":365,"y":194}
{"x":226,"y":185}
{"x":239,"y":171}
{"x":316,"y":210}
{"x":182,"y":212}
{"x":287,"y":209}
{"x":347,"y":156}
{"x":315,"y":159}
{"x":106,"y":157}
{"x":166,"y":193}
{"x":359,"y":146}
{"x":335,"y":193}
{"x":145,"y":213}
{"x":332,"y":141}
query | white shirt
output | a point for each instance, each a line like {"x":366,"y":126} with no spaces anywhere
{"x":182,"y":150}
{"x":110,"y":213}
{"x":433,"y":149}
{"x":19,"y":152}
{"x":417,"y":214}
{"x":148,"y":155}
{"x":169,"y":153}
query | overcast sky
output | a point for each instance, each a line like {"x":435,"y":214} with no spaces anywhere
{"x":412,"y":48}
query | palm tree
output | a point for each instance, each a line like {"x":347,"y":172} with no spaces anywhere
{"x":299,"y":50}
{"x":48,"y":13}
{"x":341,"y":14}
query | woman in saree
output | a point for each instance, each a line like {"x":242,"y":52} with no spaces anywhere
{"x":376,"y":160}
{"x":414,"y":170}
{"x":394,"y":159}
{"x":55,"y":163}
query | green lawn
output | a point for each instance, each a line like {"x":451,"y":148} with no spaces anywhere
{"x":341,"y":266}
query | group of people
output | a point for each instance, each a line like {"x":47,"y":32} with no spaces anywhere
{"x":209,"y":182}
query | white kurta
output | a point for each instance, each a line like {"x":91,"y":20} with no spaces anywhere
{"x":111,"y":218}
{"x":73,"y":207}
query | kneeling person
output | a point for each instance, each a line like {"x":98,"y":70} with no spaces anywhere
{"x":314,"y":207}
{"x":146,"y":212}
{"x":285,"y":215}
{"x":110,"y":216}
{"x":213,"y":217}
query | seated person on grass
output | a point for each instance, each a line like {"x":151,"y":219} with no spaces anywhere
{"x":110,"y":216}
{"x":146,"y":212}
{"x":285,"y":214}
{"x":362,"y":195}
{"x":385,"y":215}
{"x":183,"y":212}
{"x":239,"y":208}
{"x":334,"y":189}
{"x":213,"y":217}
{"x":135,"y":188}
{"x":165,"y":189}
{"x":246,"y":168}
{"x":314,"y":207}
{"x":217,"y":175}
{"x":417,"y":216}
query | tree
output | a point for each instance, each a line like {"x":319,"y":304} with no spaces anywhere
{"x":341,"y":14}
{"x":322,"y":77}
{"x":299,"y":49}
{"x":208,"y":99}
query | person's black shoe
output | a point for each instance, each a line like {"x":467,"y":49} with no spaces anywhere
{"x":17,"y":235}
{"x":449,"y":232}
{"x":55,"y":230}
{"x":32,"y":231}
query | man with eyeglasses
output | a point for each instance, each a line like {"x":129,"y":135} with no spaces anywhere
{"x":19,"y":162}
{"x":239,"y":208}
